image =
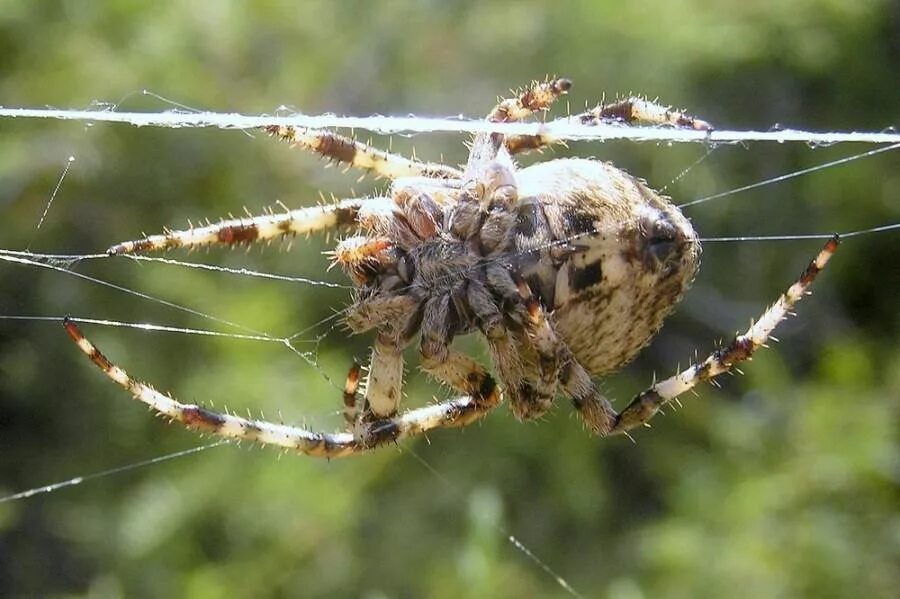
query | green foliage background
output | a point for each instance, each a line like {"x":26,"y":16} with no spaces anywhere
{"x":783,"y":483}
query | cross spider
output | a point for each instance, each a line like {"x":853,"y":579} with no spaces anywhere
{"x":567,"y":268}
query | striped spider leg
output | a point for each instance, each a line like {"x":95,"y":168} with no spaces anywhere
{"x":304,"y":220}
{"x":456,"y":412}
{"x":346,"y":150}
{"x":630,"y":111}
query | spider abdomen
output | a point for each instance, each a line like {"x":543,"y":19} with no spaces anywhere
{"x":620,"y":256}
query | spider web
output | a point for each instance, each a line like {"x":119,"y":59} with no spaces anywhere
{"x":305,"y":343}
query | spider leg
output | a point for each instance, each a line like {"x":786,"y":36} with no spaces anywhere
{"x":359,"y":155}
{"x":360,"y":257}
{"x":555,"y":362}
{"x":454,"y":368}
{"x":630,"y":111}
{"x":534,"y":320}
{"x":537,"y":97}
{"x":258,"y":228}
{"x":645,"y":405}
{"x":455,"y":412}
{"x":638,"y":111}
{"x":520,"y":144}
{"x":596,"y":411}
{"x":506,"y":347}
{"x":397,"y":318}
{"x":384,"y":384}
{"x":463,"y":374}
{"x":380,"y":310}
{"x":531,"y":393}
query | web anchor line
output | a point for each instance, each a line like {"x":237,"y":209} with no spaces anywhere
{"x":565,"y":129}
{"x":86,"y":477}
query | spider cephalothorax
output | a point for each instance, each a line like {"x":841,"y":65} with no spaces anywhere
{"x":566,"y":268}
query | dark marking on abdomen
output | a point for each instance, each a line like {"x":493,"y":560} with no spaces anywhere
{"x":579,"y":223}
{"x":584,"y":277}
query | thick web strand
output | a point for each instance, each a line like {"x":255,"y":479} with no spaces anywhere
{"x":564,"y":129}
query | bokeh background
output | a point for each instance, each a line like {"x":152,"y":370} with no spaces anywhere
{"x":784,"y":483}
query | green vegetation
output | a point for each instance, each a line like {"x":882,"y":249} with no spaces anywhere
{"x":783,"y":483}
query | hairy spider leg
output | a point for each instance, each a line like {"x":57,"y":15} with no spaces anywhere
{"x":595,"y":409}
{"x":530,"y":394}
{"x":451,"y":367}
{"x":537,"y":97}
{"x":263,"y":227}
{"x":397,"y":314}
{"x":638,"y":111}
{"x":630,"y":111}
{"x":645,"y":405}
{"x":453,"y":413}
{"x":359,"y":155}
{"x":463,"y":374}
{"x":384,"y":383}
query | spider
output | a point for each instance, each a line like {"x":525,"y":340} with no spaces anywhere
{"x":567,"y":268}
